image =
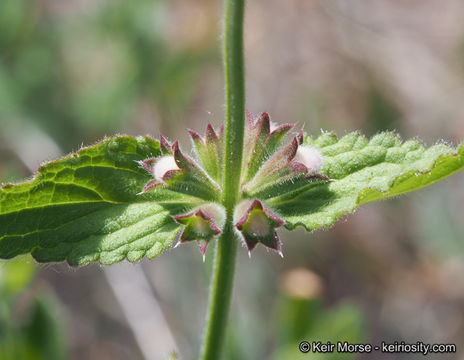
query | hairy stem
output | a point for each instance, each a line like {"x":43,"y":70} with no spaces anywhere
{"x":224,"y":262}
{"x":221,"y":291}
{"x":235,"y":99}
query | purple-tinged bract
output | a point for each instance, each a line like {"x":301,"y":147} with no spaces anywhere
{"x":191,"y":188}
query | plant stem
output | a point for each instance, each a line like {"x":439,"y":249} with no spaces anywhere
{"x":221,"y":291}
{"x":235,"y":100}
{"x":224,"y":262}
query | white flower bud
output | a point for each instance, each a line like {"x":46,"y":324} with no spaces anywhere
{"x":272,"y":126}
{"x":309,"y":157}
{"x":163,"y":165}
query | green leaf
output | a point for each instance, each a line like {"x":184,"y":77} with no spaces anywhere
{"x":84,"y":207}
{"x":362,"y":170}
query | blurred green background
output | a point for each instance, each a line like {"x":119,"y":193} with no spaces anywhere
{"x":72,"y":72}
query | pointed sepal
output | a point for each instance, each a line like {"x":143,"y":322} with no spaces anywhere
{"x":149,"y":185}
{"x":257,"y":224}
{"x":192,"y":179}
{"x":262,"y":139}
{"x":161,"y":168}
{"x":165,"y":146}
{"x":292,"y":168}
{"x":178,"y":173}
{"x":209,"y":151}
{"x":202,"y":225}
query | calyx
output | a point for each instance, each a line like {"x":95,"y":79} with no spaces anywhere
{"x":268,"y":169}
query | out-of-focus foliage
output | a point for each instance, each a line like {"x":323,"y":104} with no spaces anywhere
{"x":302,"y":316}
{"x":79,"y":74}
{"x":344,"y":323}
{"x":381,"y":114}
{"x":15,"y":275}
{"x":36,"y":333}
{"x":172,"y":356}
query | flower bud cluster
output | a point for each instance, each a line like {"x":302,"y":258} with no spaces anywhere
{"x":267,"y":168}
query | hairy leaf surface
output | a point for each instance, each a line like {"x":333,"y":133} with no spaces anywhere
{"x":84,"y":207}
{"x":362,"y":170}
